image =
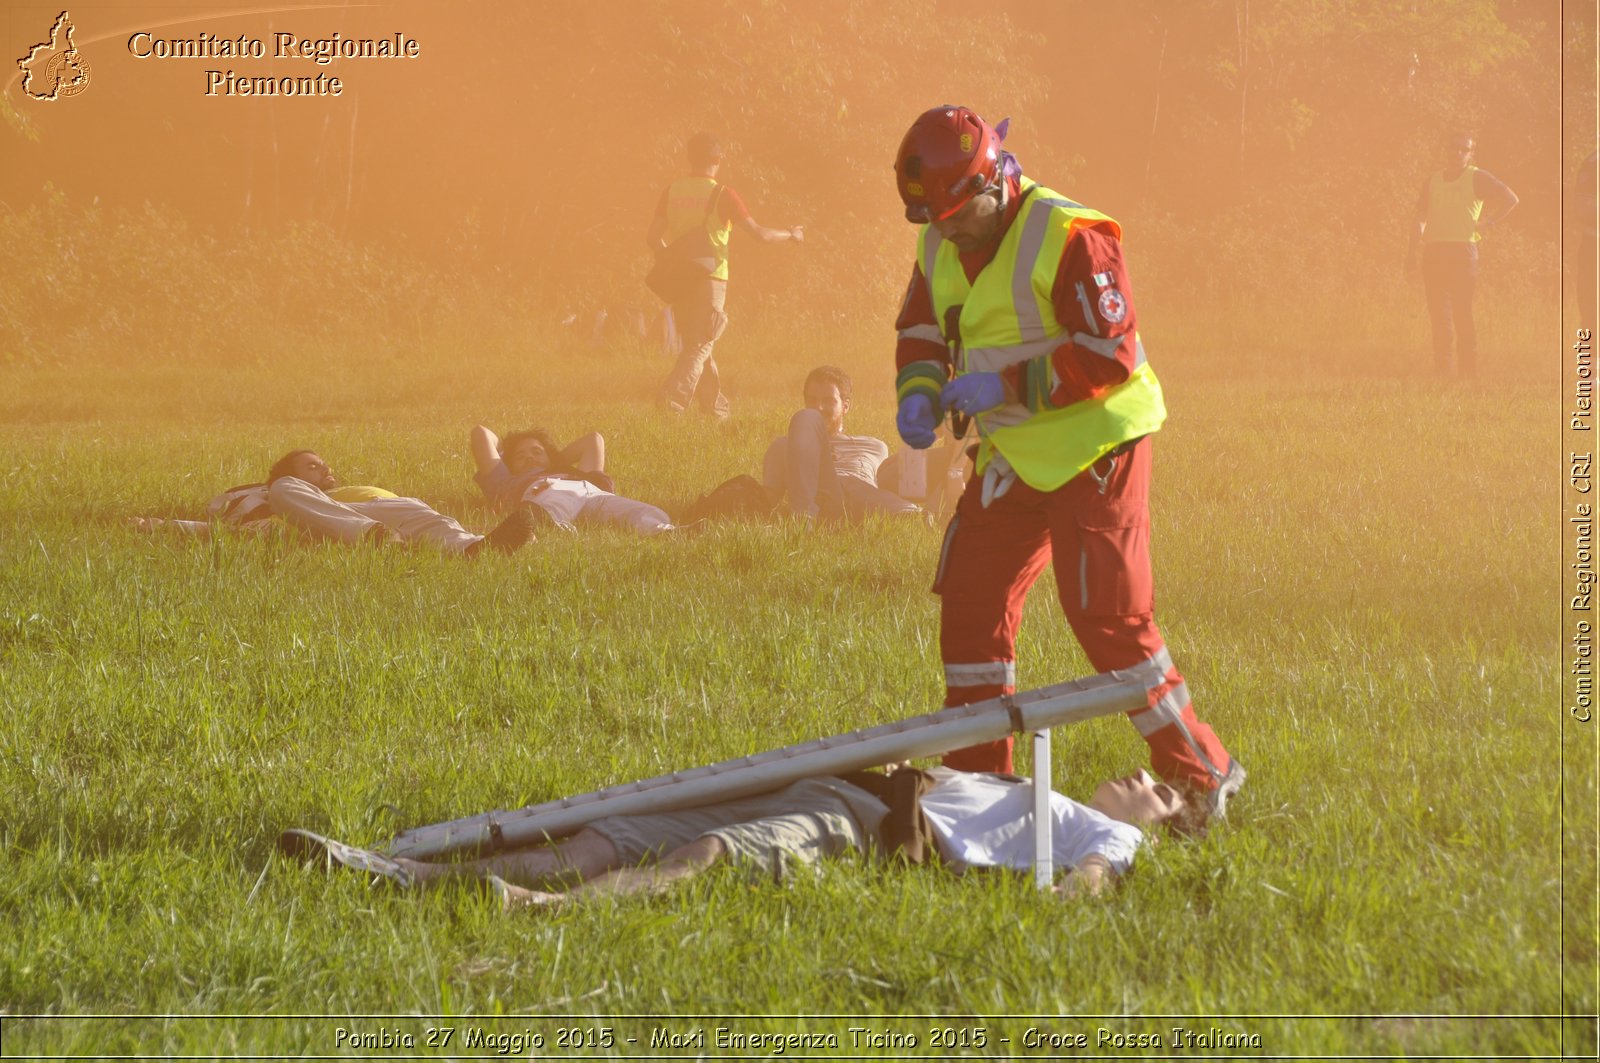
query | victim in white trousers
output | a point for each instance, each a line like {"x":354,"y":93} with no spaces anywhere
{"x":409,"y":519}
{"x":573,"y":502}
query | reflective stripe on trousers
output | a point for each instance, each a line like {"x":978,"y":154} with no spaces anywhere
{"x":984,"y":673}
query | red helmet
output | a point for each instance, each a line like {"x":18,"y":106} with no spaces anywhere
{"x":948,"y":156}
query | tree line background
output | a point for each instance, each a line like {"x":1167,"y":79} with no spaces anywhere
{"x":1263,"y":156}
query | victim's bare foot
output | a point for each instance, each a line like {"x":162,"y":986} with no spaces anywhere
{"x":513,"y":898}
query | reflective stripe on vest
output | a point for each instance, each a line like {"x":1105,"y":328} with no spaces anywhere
{"x":687,"y":201}
{"x":1007,"y":316}
{"x":930,"y":333}
{"x":1453,"y":209}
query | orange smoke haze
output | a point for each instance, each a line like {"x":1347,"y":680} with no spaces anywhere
{"x":1252,"y":150}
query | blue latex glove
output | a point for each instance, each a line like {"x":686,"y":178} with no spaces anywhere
{"x":917,"y":421}
{"x":972,"y":393}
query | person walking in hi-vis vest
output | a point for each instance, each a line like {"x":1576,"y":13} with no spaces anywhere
{"x":697,"y":201}
{"x":1019,"y":316}
{"x":1456,"y":206}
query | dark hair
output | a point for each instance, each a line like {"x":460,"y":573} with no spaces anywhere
{"x":703,"y":149}
{"x":1188,"y":820}
{"x":829,"y":374}
{"x":284,"y":466}
{"x":552,"y":449}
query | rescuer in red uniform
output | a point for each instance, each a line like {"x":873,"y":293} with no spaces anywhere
{"x":1019,"y":316}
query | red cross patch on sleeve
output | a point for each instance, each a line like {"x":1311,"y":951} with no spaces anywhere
{"x":1113,"y":307}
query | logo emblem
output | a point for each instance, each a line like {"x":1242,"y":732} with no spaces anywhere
{"x":55,"y":68}
{"x":1113,"y":307}
{"x":966,"y":142}
{"x":913,"y":188}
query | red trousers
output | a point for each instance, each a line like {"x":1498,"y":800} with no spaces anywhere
{"x":1099,"y":536}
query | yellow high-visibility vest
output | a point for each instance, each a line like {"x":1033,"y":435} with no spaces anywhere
{"x":1006,"y":316}
{"x":688,"y":199}
{"x":1453,"y":209}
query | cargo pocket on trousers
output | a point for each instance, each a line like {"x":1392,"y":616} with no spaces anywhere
{"x":1113,"y":561}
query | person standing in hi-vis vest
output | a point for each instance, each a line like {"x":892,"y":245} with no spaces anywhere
{"x":1019,"y":316}
{"x":1456,"y":206}
{"x":693,"y":202}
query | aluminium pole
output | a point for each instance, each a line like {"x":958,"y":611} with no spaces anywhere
{"x":919,"y":736}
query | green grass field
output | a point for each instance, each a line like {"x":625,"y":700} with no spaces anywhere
{"x":1358,"y":573}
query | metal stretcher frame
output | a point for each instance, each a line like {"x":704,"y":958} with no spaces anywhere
{"x":1035,"y":711}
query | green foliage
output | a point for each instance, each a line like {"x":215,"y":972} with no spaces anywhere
{"x":88,"y":285}
{"x":10,"y":117}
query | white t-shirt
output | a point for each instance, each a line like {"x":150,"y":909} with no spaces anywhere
{"x":982,"y":821}
{"x":858,"y":456}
